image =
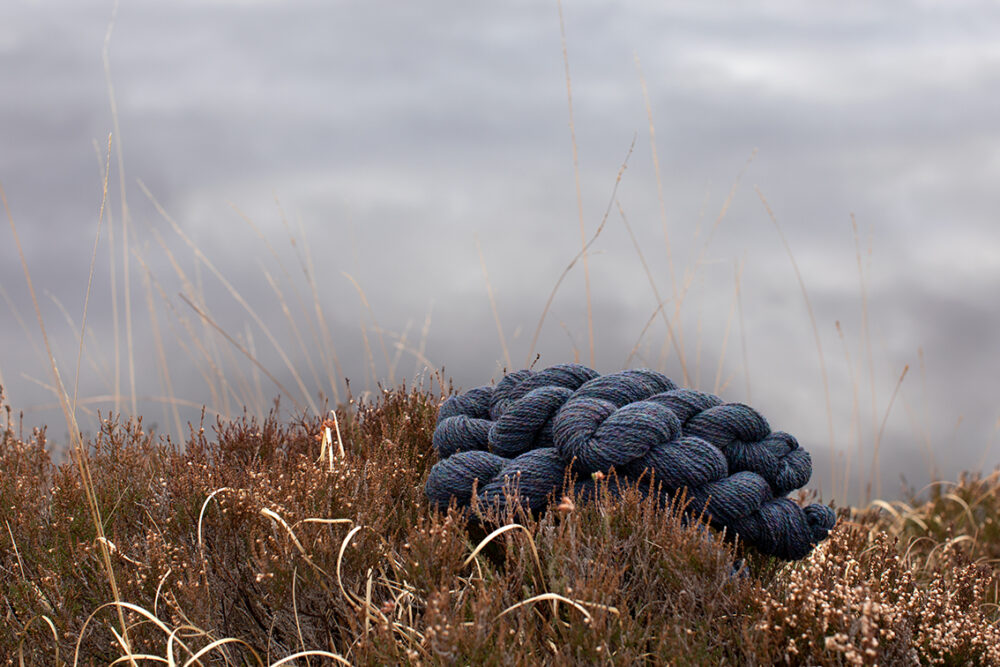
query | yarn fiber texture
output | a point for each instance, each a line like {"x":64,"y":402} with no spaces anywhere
{"x":534,"y":428}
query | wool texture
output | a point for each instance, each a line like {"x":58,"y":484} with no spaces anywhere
{"x":519,"y":441}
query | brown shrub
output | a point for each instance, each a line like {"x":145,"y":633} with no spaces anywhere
{"x":254,"y":533}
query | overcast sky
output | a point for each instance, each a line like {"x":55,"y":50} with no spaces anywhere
{"x":392,"y":136}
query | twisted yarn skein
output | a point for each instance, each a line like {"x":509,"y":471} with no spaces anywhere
{"x":533,"y":428}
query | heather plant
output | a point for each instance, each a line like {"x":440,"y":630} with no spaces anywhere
{"x":256,"y":541}
{"x":858,"y":601}
{"x":966,"y":511}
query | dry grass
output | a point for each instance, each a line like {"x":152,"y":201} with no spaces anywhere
{"x":256,"y":541}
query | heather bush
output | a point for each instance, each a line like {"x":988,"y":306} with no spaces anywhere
{"x":257,"y":540}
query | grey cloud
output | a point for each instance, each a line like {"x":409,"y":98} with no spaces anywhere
{"x":399,"y":136}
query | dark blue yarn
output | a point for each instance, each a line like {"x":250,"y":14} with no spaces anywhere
{"x":519,"y":438}
{"x":685,"y":462}
{"x":527,"y":424}
{"x":625,"y":387}
{"x":600,"y":436}
{"x":731,"y":498}
{"x":686,"y":403}
{"x":453,"y":477}
{"x":516,"y":385}
{"x":745,"y":437}
{"x":474,"y":403}
{"x":460,"y":433}
{"x":533,"y":475}
{"x":503,"y":394}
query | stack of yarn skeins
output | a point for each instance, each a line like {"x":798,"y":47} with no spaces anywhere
{"x":533,"y":429}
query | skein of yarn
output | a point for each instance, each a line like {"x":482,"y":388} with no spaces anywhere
{"x":535,"y":426}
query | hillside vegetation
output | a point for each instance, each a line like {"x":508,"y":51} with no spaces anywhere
{"x":310,"y":542}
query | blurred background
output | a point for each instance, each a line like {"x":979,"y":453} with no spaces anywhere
{"x":347,"y":189}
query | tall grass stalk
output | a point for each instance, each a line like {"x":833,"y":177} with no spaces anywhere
{"x":675,"y":300}
{"x":866,"y":325}
{"x":306,"y":395}
{"x":576,"y":179}
{"x":236,"y":344}
{"x":582,"y":253}
{"x":493,"y":306}
{"x":812,"y":318}
{"x":743,"y":331}
{"x":335,"y":373}
{"x":673,"y":337}
{"x":292,"y":320}
{"x":376,"y":327}
{"x":71,"y":423}
{"x":119,"y":154}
